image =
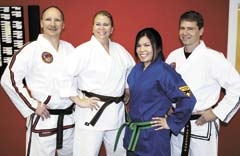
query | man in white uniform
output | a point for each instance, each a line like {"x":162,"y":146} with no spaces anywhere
{"x":206,"y":71}
{"x":101,"y":68}
{"x":32,"y":79}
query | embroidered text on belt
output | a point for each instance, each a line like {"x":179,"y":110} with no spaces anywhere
{"x":135,"y":127}
{"x":187,"y":136}
{"x":107,"y":101}
{"x":60,"y":113}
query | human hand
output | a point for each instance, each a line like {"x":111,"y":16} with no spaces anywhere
{"x":206,"y":116}
{"x":170,"y":111}
{"x":173,"y":65}
{"x":91,"y":103}
{"x":126,"y":96}
{"x":42,"y":111}
{"x":160,"y":123}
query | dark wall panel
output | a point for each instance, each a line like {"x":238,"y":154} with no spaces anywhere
{"x":33,"y":21}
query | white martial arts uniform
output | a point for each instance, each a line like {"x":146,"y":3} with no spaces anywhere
{"x":105,"y":74}
{"x":42,"y":67}
{"x":206,"y":71}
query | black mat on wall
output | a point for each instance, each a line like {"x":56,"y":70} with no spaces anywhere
{"x":34,"y":21}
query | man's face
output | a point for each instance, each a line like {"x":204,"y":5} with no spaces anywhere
{"x":52,"y":22}
{"x":189,"y":33}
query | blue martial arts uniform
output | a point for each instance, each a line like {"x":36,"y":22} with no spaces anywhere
{"x":152,"y":93}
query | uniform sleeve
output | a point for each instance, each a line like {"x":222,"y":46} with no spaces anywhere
{"x":180,"y":94}
{"x":229,"y":79}
{"x":130,"y":64}
{"x":12,"y":82}
{"x":75,"y":62}
{"x":169,"y":59}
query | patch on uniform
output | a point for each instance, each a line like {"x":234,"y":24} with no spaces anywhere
{"x":47,"y":57}
{"x":186,"y":90}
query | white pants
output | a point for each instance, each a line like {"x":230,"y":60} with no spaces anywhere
{"x":88,"y":142}
{"x":46,"y":146}
{"x":198,"y":147}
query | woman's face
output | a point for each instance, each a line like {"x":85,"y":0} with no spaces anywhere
{"x":102,"y":28}
{"x":144,"y":50}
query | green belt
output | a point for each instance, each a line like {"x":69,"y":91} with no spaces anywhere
{"x":135,"y":127}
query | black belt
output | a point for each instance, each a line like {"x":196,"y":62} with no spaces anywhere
{"x":107,"y":101}
{"x":60,"y":113}
{"x":187,"y":135}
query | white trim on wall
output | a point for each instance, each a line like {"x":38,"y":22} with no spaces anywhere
{"x":232,"y":30}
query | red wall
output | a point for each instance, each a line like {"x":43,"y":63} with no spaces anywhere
{"x":129,"y":16}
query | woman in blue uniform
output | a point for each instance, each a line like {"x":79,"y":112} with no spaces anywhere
{"x":154,"y":87}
